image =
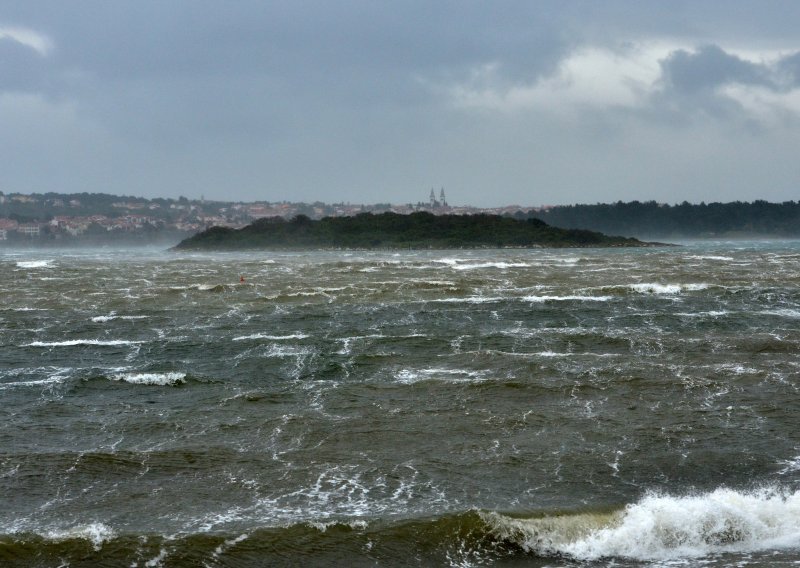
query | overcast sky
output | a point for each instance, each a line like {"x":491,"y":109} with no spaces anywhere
{"x":503,"y":102}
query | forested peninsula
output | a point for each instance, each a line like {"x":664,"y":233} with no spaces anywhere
{"x":652,"y":220}
{"x":396,"y":231}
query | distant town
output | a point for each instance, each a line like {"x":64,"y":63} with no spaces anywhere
{"x":100,"y":219}
{"x":96,"y":217}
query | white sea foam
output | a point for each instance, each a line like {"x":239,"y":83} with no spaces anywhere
{"x":359,"y":524}
{"x":409,"y":376}
{"x":663,"y":527}
{"x":449,"y":261}
{"x":271,"y":337}
{"x":553,"y":354}
{"x":73,"y":342}
{"x":782,"y":312}
{"x":229,"y":543}
{"x":501,"y":265}
{"x":530,"y":298}
{"x":666,"y":289}
{"x":790,"y":465}
{"x":711,"y":257}
{"x":469,"y":300}
{"x":96,"y":533}
{"x":34,"y":264}
{"x":157,"y":560}
{"x":158,"y":379}
{"x":447,"y":283}
{"x":464,"y":264}
{"x":579,"y":298}
{"x":112,"y":317}
{"x":280,"y":351}
{"x":346,"y":491}
{"x":712,"y":313}
{"x":48,"y":381}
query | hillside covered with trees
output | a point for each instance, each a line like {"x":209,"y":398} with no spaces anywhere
{"x":685,"y":220}
{"x":391,"y":230}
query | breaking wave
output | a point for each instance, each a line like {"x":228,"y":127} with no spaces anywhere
{"x":34,"y":264}
{"x":663,"y":527}
{"x":667,"y":289}
{"x":74,"y":342}
{"x":159,"y":379}
{"x":657,"y":528}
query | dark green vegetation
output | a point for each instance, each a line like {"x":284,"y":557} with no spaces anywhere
{"x":654,"y":220}
{"x":391,"y":230}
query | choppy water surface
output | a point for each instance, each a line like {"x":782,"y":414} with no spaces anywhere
{"x":516,"y":407}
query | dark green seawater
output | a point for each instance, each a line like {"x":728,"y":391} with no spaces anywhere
{"x":592,"y":407}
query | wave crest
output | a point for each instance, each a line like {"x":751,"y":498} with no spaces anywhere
{"x":661,"y":527}
{"x":158,"y":379}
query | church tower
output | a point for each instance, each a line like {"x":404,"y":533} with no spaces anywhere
{"x":433,"y":199}
{"x":442,"y":200}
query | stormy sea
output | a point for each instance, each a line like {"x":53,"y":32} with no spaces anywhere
{"x":573,"y":407}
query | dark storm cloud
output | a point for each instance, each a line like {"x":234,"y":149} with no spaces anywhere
{"x":789,"y":67}
{"x":711,"y":67}
{"x":151,"y":39}
{"x":697,"y":80}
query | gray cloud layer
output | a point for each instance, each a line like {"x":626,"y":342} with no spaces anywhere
{"x":516,"y":102}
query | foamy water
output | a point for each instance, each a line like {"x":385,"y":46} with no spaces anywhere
{"x":471,"y":408}
{"x":663,"y":527}
{"x":34,"y":263}
{"x":159,"y":379}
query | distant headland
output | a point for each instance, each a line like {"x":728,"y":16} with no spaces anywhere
{"x":395,"y":231}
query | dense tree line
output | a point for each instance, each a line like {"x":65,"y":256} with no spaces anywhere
{"x":653,"y":220}
{"x":392,"y":230}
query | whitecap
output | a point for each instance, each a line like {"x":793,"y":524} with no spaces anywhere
{"x":664,"y":527}
{"x":711,"y":257}
{"x":158,"y":379}
{"x":500,"y":265}
{"x":542,"y":299}
{"x":666,"y":289}
{"x":449,"y":261}
{"x":96,"y":533}
{"x":271,"y":337}
{"x":103,"y":319}
{"x":37,"y":383}
{"x":112,"y":317}
{"x":34,"y":264}
{"x":409,"y":376}
{"x":73,"y":342}
{"x":712,"y":313}
{"x":782,"y":312}
{"x":469,"y":300}
{"x":281,"y":351}
{"x":790,"y":465}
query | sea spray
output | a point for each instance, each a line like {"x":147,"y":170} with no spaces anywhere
{"x":663,"y":527}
